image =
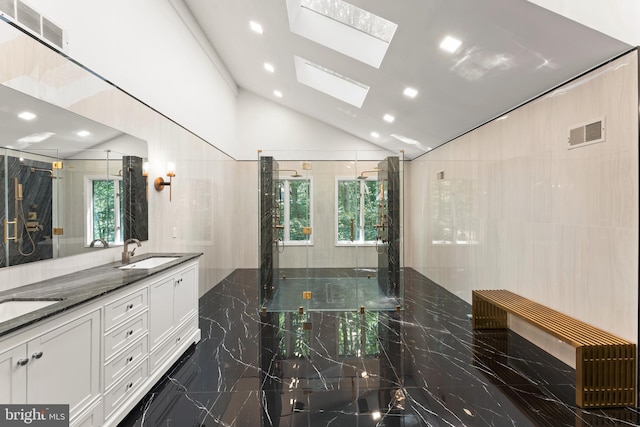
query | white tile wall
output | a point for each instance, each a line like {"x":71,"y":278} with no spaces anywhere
{"x":558,"y":226}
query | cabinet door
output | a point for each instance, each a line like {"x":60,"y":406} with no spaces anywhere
{"x":185,"y":301}
{"x":13,"y":375}
{"x":64,"y":365}
{"x":160,"y":310}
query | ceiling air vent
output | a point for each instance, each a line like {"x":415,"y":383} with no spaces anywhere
{"x":30,"y":19}
{"x":586,"y":134}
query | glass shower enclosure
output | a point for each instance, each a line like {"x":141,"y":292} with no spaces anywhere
{"x":331,"y":231}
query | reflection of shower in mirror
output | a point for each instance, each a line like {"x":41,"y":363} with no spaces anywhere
{"x":23,"y":226}
{"x":49,"y":172}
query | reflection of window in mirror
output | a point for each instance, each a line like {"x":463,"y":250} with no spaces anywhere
{"x":103,"y":210}
{"x":357,"y":334}
{"x":453,"y":212}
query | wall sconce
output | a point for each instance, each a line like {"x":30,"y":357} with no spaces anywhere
{"x":145,"y":174}
{"x":160,"y":183}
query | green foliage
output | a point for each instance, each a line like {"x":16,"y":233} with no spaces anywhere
{"x":357,"y":199}
{"x":354,"y":328}
{"x":104,"y":216}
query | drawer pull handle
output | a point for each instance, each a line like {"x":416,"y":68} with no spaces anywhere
{"x":22,"y":362}
{"x":130,"y":306}
{"x":129,"y":333}
{"x":129,"y":386}
{"x":129,"y":359}
{"x":37,"y":355}
{"x":178,"y":339}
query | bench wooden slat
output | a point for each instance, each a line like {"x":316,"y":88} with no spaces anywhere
{"x":605,"y":363}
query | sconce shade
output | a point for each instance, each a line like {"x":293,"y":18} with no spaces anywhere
{"x":160,"y":183}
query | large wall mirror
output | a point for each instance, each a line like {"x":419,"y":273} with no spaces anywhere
{"x":68,"y":185}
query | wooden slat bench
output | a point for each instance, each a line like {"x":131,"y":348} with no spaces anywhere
{"x":605,"y":363}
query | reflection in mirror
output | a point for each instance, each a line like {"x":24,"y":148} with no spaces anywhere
{"x":67,"y":184}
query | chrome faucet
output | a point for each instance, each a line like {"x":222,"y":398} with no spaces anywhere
{"x":104,"y":243}
{"x":126,"y":254}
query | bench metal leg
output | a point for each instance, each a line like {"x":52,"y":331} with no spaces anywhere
{"x":606,"y":376}
{"x":486,"y":315}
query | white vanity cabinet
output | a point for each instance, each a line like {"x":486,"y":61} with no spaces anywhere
{"x":148,"y":328}
{"x":103,"y":356}
{"x":54,"y":362}
{"x":173,"y":302}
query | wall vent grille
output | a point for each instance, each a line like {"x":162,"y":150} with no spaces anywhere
{"x":8,"y":8}
{"x":585,"y":134}
{"x":31,"y":20}
{"x":52,"y":32}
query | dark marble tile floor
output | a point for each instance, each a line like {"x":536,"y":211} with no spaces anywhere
{"x":423,"y":366}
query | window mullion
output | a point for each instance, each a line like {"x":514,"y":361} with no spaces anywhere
{"x":287,"y":211}
{"x":362,"y":194}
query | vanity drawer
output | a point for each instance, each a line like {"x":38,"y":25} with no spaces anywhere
{"x":124,"y":335}
{"x":124,"y":308}
{"x":164,"y":350}
{"x":119,"y":365}
{"x":114,"y":398}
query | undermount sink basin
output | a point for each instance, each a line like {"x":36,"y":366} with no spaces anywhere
{"x":15,"y":308}
{"x":152,"y":262}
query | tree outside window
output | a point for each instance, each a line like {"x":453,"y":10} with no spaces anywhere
{"x":357,"y":202}
{"x":295,"y":205}
{"x":105,"y":210}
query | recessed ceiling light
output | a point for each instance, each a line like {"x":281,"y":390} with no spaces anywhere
{"x":27,"y":115}
{"x":405,"y":139}
{"x":83,"y":133}
{"x":388,"y":118}
{"x":277,"y":94}
{"x":269,"y":67}
{"x":410,"y":92}
{"x":450,"y":44}
{"x":375,"y":134}
{"x":255,"y":27}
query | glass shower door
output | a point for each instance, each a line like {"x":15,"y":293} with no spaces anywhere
{"x":330,"y":231}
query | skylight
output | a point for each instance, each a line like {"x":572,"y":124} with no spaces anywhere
{"x":354,"y":17}
{"x":330,"y":82}
{"x":343,"y":27}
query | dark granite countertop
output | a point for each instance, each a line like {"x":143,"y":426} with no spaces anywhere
{"x":82,"y":286}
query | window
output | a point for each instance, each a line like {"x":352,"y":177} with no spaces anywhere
{"x":104,"y":210}
{"x":357,"y":204}
{"x":296,"y":202}
{"x":454,"y":217}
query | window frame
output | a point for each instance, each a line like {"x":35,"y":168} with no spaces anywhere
{"x":88,"y":208}
{"x":362,"y":215}
{"x":286,"y":220}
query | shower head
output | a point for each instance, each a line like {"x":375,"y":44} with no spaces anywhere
{"x":363,"y":176}
{"x":49,"y":172}
{"x":294,"y":175}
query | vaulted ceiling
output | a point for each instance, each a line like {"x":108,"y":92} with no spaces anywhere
{"x":510,"y":52}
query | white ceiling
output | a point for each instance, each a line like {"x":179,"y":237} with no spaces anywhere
{"x":511,"y":52}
